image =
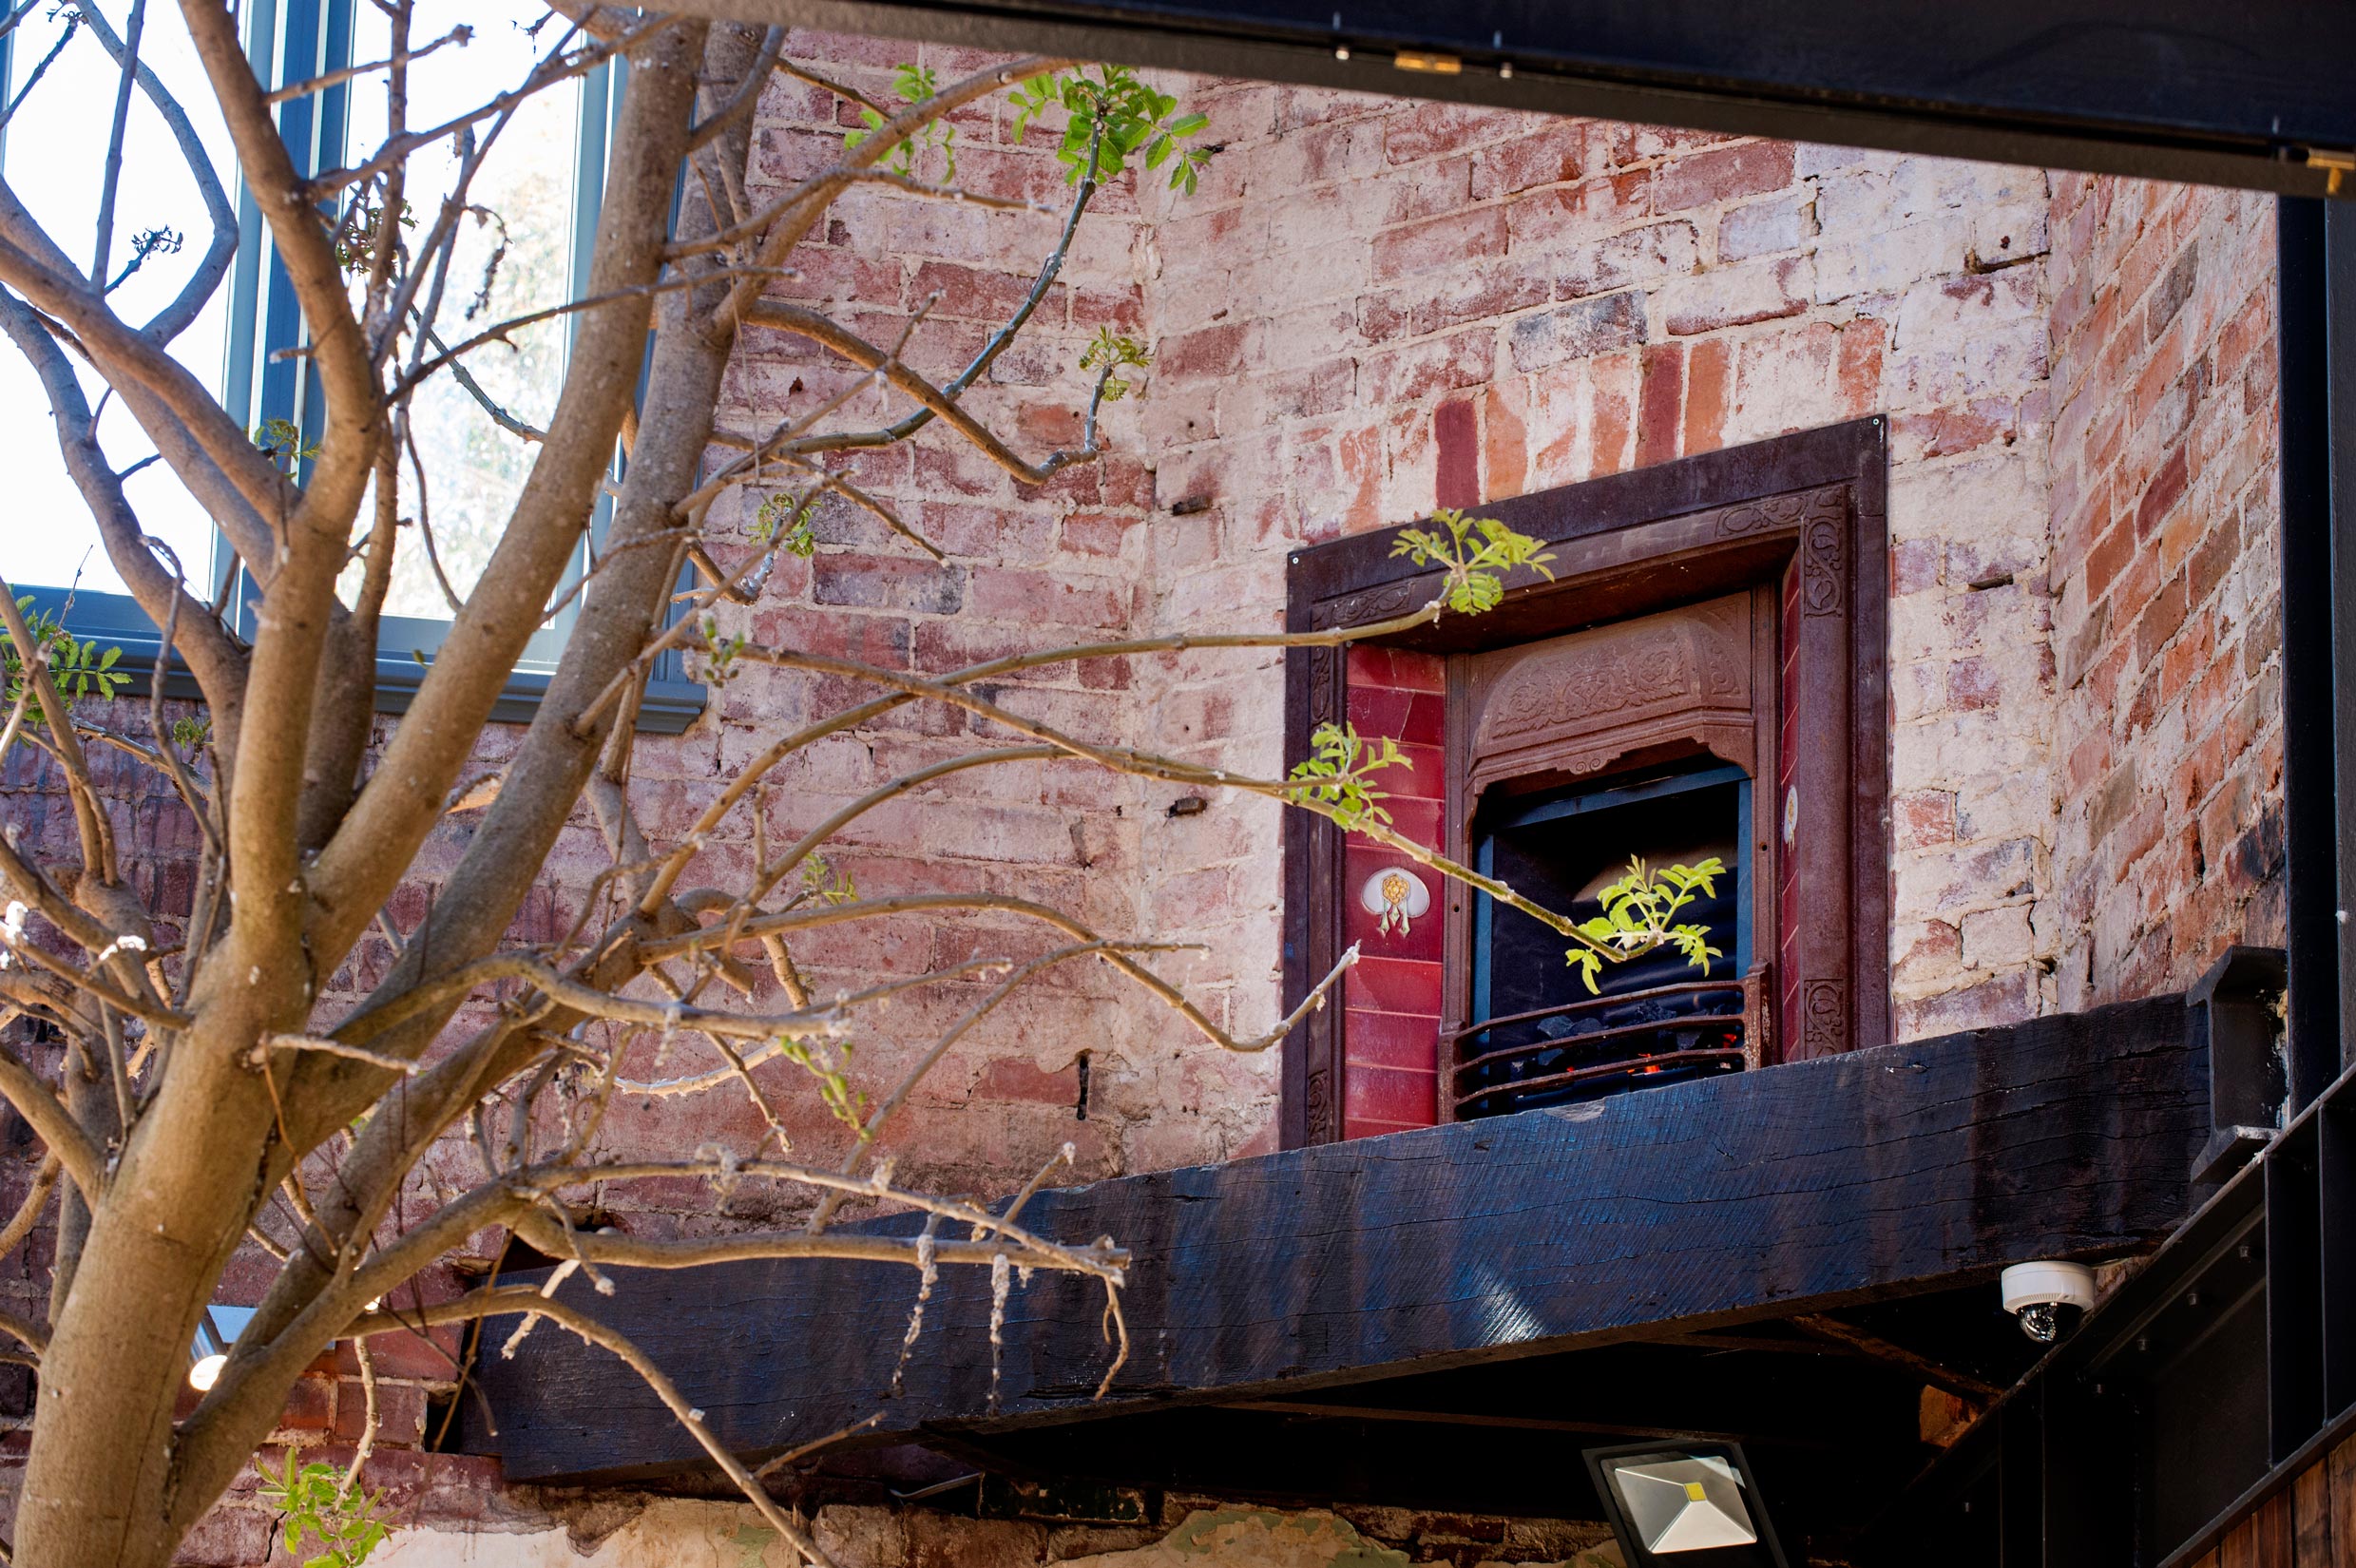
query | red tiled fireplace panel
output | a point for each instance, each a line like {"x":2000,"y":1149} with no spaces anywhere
{"x":1392,"y":1023}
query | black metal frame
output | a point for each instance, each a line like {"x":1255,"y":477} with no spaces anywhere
{"x":2249,"y":95}
{"x":2204,"y":1385}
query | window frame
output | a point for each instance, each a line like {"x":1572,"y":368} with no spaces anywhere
{"x":1811,"y":506}
{"x":294,"y":40}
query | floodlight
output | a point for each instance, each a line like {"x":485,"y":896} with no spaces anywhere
{"x":1684,"y":1505}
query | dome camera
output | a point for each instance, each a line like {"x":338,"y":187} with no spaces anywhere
{"x":2049,"y":1298}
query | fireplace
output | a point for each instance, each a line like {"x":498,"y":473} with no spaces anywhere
{"x":1541,"y":1035}
{"x":1724,"y":611}
{"x":1638,"y":739}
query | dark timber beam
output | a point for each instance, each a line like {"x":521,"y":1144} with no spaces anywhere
{"x":1809,"y":1188}
{"x":2252,"y":94}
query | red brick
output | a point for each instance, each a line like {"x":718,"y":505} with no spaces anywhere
{"x":973,"y":293}
{"x":400,"y":1412}
{"x":1427,"y":128}
{"x":2160,"y":619}
{"x":1721,"y":174}
{"x":1578,"y":331}
{"x":1914,"y":565}
{"x":1707,"y":394}
{"x":2166,"y":488}
{"x":1740,"y":299}
{"x":1013,"y":1078}
{"x":1413,"y":310}
{"x":1973,"y":683}
{"x":2108,"y":558}
{"x":2212,"y":560}
{"x":1923,"y":818}
{"x":1097,"y":533}
{"x":1437,"y":242}
{"x":876,"y":582}
{"x":1044,"y":599}
{"x":1456,"y":434}
{"x":1505,"y":447}
{"x":227,"y":1537}
{"x":1551,"y":154}
{"x":1662,"y":409}
{"x":1859,"y":369}
{"x":1416,"y":372}
{"x":310,"y":1407}
{"x":1212,"y":351}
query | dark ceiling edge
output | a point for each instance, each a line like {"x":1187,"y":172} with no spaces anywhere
{"x":1916,"y":128}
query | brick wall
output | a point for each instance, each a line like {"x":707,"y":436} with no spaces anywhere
{"x":1375,"y":306}
{"x":2167,"y":565}
{"x":1022,"y":568}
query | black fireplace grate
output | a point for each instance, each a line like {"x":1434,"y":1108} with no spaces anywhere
{"x":1585,"y":1049}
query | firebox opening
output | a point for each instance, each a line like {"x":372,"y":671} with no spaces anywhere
{"x":1541,"y":1037}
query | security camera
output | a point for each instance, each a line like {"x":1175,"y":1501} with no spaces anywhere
{"x":2049,"y":1298}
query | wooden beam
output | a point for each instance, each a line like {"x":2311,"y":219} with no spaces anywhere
{"x":1806,"y":1187}
{"x":1462,"y":1417}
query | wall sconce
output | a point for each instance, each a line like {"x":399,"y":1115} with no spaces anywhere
{"x":1667,"y":1501}
{"x":216,"y":1330}
{"x":1394,"y":896}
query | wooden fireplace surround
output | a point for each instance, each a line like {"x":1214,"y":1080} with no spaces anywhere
{"x":1801,"y":516}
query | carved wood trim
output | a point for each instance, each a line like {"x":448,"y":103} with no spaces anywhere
{"x":1807,"y":509}
{"x":1311,"y":1108}
{"x":1574,"y":705}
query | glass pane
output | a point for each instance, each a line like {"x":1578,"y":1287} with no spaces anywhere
{"x":514,"y":255}
{"x":54,"y":152}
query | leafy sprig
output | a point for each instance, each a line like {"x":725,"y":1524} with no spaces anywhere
{"x":1109,"y":353}
{"x":914,"y":83}
{"x":78,"y":668}
{"x":788,"y":515}
{"x":1335,"y":773}
{"x":1113,"y":118}
{"x":362,"y":227}
{"x":720,"y":653}
{"x":1640,"y":915}
{"x":315,"y":1503}
{"x":843,"y":1102}
{"x":827,"y":883}
{"x":281,"y":441}
{"x":1475,"y":552}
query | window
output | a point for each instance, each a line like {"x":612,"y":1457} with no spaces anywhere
{"x":526,"y":246}
{"x":1703,"y":677}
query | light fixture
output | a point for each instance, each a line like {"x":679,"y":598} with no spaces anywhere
{"x":1669,"y":1501}
{"x":1394,"y":896}
{"x":216,"y":1330}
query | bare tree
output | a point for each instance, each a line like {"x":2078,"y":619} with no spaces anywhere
{"x":204,"y":1099}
